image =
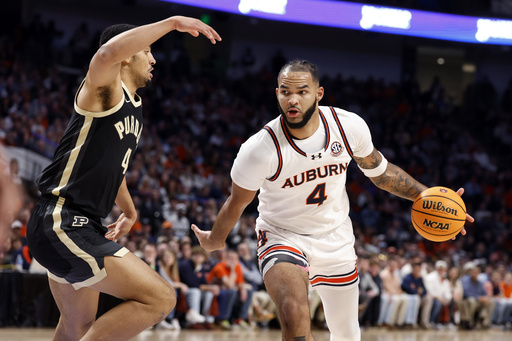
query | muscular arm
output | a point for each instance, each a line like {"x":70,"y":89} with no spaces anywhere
{"x":105,"y":64}
{"x":104,"y":77}
{"x":226,"y":219}
{"x":394,"y":180}
{"x":126,"y":220}
{"x":125,"y":202}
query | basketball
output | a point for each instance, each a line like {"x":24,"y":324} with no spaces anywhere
{"x":438,"y":214}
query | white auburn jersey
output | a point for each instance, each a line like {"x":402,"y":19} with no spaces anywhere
{"x":299,"y":191}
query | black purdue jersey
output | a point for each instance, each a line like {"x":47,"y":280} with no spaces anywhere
{"x":92,"y":158}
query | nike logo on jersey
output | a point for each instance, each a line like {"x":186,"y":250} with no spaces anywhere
{"x":80,"y":221}
{"x":315,"y":173}
{"x":130,"y":125}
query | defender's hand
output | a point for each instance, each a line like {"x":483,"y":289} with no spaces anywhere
{"x":194,"y":27}
{"x":121,"y":227}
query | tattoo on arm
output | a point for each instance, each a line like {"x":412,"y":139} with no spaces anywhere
{"x":371,"y":161}
{"x":398,"y":182}
{"x":394,"y":180}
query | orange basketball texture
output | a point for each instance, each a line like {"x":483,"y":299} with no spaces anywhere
{"x":438,"y":214}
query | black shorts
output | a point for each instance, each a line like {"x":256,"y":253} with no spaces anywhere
{"x":68,"y":244}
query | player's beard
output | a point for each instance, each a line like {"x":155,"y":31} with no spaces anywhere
{"x":305,"y":119}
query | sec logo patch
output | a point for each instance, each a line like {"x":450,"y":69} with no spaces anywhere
{"x":336,"y":148}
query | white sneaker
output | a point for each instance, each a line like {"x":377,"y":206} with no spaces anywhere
{"x":193,"y":317}
{"x":164,"y":325}
{"x":174,"y":325}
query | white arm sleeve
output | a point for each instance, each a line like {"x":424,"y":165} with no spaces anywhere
{"x":255,"y":162}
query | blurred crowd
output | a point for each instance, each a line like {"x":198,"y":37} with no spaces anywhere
{"x":197,"y":116}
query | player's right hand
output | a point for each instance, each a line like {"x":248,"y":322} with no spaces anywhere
{"x":194,"y":27}
{"x":121,"y":227}
{"x":205,"y":240}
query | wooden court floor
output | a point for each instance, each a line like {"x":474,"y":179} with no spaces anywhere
{"x":35,"y":334}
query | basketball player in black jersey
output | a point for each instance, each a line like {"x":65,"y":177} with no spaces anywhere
{"x":83,"y":182}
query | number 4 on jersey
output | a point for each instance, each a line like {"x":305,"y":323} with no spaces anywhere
{"x":126,"y":160}
{"x":317,"y":197}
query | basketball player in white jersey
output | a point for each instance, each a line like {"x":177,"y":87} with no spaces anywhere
{"x":298,"y":162}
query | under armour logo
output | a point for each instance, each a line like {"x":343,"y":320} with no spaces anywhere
{"x":80,"y":221}
{"x":316,"y":156}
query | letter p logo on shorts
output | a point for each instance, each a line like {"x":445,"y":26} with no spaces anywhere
{"x":80,"y":221}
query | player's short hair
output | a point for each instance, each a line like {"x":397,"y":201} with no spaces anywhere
{"x":301,"y":65}
{"x":112,"y":31}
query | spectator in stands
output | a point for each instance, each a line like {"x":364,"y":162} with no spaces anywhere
{"x":193,"y":273}
{"x":180,"y":222}
{"x":394,"y":303}
{"x":475,"y":300}
{"x":506,"y":289}
{"x":9,"y":202}
{"x":371,"y":315}
{"x":150,"y":255}
{"x":438,"y":287}
{"x":169,"y":270}
{"x":234,"y":290}
{"x":185,"y":244}
{"x":368,"y":289}
{"x":501,"y":312}
{"x":457,"y":292}
{"x":419,"y":299}
{"x":262,"y":308}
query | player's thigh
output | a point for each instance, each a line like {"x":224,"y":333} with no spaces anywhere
{"x":79,"y":306}
{"x":130,"y":278}
{"x":287,"y":283}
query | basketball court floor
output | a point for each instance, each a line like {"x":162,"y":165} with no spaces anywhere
{"x":35,"y":334}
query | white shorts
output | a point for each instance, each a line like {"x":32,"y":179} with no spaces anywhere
{"x":329,"y":258}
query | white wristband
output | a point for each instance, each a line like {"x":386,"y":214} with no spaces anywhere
{"x":379,"y":170}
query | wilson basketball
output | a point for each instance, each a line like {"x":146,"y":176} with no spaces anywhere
{"x":438,"y":214}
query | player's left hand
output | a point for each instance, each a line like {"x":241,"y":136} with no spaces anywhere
{"x":468,"y":217}
{"x":119,"y":228}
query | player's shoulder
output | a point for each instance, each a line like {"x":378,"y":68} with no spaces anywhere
{"x":345,"y":117}
{"x":260,"y":147}
{"x":341,"y":113}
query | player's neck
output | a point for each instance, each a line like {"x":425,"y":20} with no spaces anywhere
{"x":308,"y":130}
{"x":130,"y":84}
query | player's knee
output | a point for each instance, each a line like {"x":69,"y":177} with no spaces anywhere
{"x":76,"y":324}
{"x":292,"y":312}
{"x":165,"y":301}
